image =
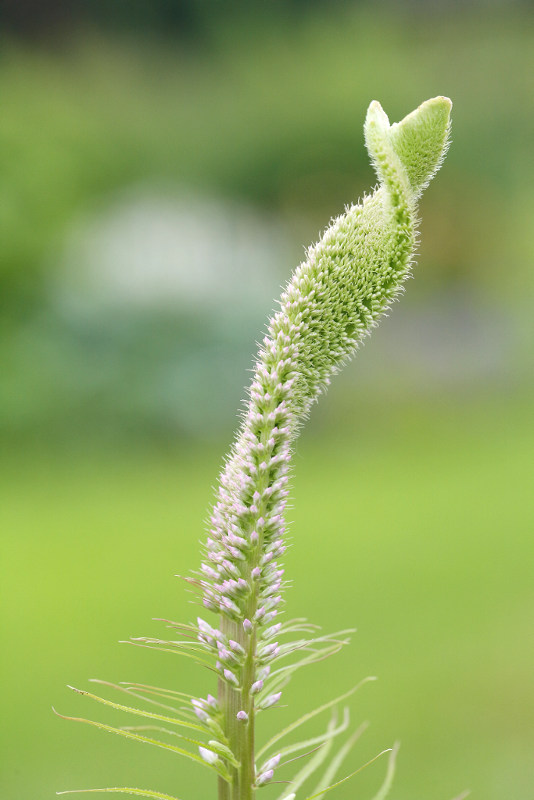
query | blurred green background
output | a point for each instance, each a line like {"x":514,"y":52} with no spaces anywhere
{"x":162,"y":166}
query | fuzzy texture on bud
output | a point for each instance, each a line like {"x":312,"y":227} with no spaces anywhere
{"x":335,"y":298}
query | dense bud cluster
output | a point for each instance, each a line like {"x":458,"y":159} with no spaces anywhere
{"x":333,"y":300}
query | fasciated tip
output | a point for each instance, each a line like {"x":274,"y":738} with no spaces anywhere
{"x":419,"y":141}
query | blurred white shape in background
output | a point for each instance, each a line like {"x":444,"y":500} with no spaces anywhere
{"x":159,"y":301}
{"x":155,"y":248}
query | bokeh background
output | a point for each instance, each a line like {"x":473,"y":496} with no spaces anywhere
{"x":162,"y":166}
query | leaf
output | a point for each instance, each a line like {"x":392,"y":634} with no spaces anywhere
{"x":153,"y":646}
{"x":348,"y":777}
{"x":292,"y":748}
{"x":217,"y":747}
{"x":336,"y":762}
{"x":139,"y":690}
{"x":131,"y":693}
{"x":181,"y":626}
{"x":390,"y":774}
{"x":155,"y":688}
{"x":149,"y":728}
{"x":331,"y":638}
{"x":299,"y":625}
{"x":294,"y":725}
{"x":218,"y":767}
{"x":306,"y":644}
{"x":281,"y":676}
{"x":125,"y":790}
{"x":141,"y":712}
{"x":195,"y":645}
{"x":314,"y":763}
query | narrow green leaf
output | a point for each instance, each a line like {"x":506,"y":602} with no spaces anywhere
{"x":125,"y":790}
{"x":170,"y":650}
{"x":307,"y":644}
{"x":280,"y":677}
{"x":390,"y":774}
{"x":140,"y":712}
{"x":132,"y":693}
{"x":304,"y":646}
{"x":314,"y":763}
{"x":218,"y":767}
{"x":217,"y":747}
{"x":166,"y":694}
{"x":298,"y":626}
{"x":348,"y":777}
{"x":195,"y":646}
{"x":149,"y":728}
{"x":292,"y":748}
{"x":313,"y":658}
{"x":294,"y":725}
{"x":156,"y":689}
{"x":336,"y":762}
{"x":181,"y":626}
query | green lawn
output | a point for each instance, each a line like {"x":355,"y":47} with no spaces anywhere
{"x":414,"y":527}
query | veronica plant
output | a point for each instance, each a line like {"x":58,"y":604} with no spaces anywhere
{"x":333,"y":300}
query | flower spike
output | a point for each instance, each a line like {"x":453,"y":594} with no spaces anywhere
{"x":332,"y":302}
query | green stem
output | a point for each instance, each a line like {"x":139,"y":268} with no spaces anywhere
{"x":240,"y":734}
{"x":247,"y":738}
{"x":223,"y":788}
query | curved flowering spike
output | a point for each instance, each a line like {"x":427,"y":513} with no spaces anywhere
{"x":334,"y":299}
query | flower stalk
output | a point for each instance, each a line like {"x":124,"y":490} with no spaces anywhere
{"x":334,"y":299}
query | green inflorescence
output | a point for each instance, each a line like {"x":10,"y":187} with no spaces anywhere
{"x":334,"y":299}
